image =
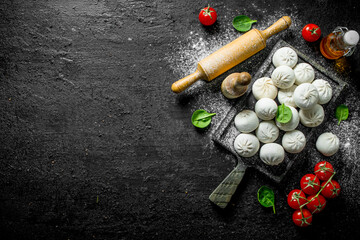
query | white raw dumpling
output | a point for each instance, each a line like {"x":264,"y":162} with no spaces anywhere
{"x":286,"y":96}
{"x":283,"y":77}
{"x":292,"y":124}
{"x":294,"y":141}
{"x":267,"y":132}
{"x":304,"y":73}
{"x":266,"y":108}
{"x":328,"y":144}
{"x":272,"y":154}
{"x":285,"y":56}
{"x":306,"y":96}
{"x":246,"y":121}
{"x":264,"y":88}
{"x":312,"y":117}
{"x":246,"y":145}
{"x":324,"y":90}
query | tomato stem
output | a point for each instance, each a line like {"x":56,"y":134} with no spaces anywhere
{"x":325,"y":184}
{"x":313,"y":31}
{"x":322,"y":188}
{"x":324,"y":168}
{"x":207,"y":11}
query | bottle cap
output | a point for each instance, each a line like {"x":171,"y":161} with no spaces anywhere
{"x":351,"y":38}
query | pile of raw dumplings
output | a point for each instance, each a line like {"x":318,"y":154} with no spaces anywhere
{"x":293,"y":84}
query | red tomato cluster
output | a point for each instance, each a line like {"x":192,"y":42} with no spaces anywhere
{"x":317,"y":192}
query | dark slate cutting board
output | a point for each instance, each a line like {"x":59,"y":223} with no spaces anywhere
{"x":227,"y":132}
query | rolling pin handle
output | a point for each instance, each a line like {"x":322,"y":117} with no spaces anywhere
{"x":185,"y":82}
{"x":280,"y":25}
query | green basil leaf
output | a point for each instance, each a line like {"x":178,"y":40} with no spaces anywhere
{"x":201,"y":118}
{"x":266,"y":197}
{"x":341,"y":113}
{"x":242,"y":23}
{"x":283,"y":114}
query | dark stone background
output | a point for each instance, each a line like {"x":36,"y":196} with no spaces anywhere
{"x":94,"y":145}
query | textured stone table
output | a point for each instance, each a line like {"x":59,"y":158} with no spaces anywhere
{"x":94,"y":145}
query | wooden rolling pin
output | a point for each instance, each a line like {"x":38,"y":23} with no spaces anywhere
{"x":231,"y":54}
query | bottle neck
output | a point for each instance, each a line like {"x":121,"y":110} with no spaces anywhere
{"x":346,"y":38}
{"x":339,"y":42}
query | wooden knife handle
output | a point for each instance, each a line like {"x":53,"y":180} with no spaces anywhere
{"x":221,"y":196}
{"x":281,"y":24}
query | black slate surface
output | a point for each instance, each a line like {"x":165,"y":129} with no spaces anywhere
{"x":94,"y":145}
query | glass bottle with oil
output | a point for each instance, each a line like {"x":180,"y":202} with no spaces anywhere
{"x":341,"y":42}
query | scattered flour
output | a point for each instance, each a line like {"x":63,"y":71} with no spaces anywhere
{"x":196,"y":46}
{"x":347,"y":160}
{"x":200,"y":43}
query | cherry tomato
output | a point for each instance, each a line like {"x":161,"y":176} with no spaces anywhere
{"x":316,"y":204}
{"x":311,"y":32}
{"x":323,"y":170}
{"x":302,"y":218}
{"x":310,"y":184}
{"x":331,"y":190}
{"x":296,"y":198}
{"x":207,"y":16}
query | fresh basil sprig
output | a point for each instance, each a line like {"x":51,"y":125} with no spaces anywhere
{"x":242,"y":23}
{"x":266,"y":197}
{"x":341,"y":113}
{"x":283,"y":114}
{"x":201,"y":118}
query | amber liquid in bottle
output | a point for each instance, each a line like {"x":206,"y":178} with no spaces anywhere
{"x":329,"y":48}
